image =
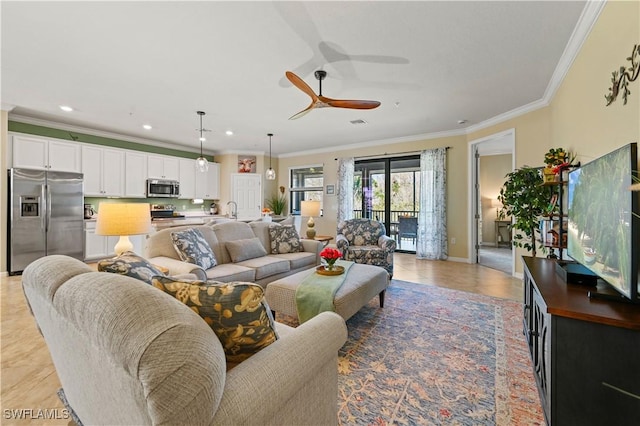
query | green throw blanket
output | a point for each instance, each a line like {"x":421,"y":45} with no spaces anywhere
{"x":315,"y":293}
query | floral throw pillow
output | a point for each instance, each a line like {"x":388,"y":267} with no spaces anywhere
{"x":193,"y":248}
{"x":284,"y":239}
{"x":130,"y":264}
{"x":236,"y":312}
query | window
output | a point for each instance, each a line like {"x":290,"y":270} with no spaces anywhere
{"x":305,"y":183}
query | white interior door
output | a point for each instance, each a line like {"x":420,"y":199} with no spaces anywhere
{"x":246,"y":191}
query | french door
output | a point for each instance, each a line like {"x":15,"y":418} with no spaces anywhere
{"x":387,"y":189}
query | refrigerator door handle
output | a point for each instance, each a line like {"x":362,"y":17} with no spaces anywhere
{"x":48,"y":208}
{"x":41,"y":206}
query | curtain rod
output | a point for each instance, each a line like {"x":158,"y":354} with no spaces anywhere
{"x":386,"y":154}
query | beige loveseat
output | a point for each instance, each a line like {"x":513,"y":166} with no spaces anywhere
{"x":128,"y":353}
{"x":261,"y":270}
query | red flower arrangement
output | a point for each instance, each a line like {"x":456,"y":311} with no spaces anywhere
{"x":330,"y":255}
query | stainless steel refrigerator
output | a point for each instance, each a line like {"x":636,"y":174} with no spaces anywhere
{"x":46,"y":216}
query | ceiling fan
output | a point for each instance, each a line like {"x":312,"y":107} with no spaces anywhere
{"x":319,"y":101}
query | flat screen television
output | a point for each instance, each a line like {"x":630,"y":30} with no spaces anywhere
{"x":603,"y":222}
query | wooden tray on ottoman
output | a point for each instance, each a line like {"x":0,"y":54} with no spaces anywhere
{"x":337,"y":270}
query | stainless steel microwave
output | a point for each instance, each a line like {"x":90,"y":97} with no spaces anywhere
{"x":158,"y":188}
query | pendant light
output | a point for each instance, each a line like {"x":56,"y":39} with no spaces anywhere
{"x":202,"y":165}
{"x":270,"y":174}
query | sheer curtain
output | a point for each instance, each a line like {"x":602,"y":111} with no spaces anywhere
{"x":432,"y":218}
{"x":346,"y":170}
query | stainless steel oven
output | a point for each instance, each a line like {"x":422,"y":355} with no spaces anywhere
{"x":158,"y":188}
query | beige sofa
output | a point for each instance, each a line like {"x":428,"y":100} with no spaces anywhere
{"x":261,"y":270}
{"x":128,"y":353}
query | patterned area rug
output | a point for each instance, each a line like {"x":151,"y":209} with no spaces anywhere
{"x":436,"y":356}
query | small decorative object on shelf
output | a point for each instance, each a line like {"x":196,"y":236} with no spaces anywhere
{"x":330,"y":255}
{"x":557,"y":160}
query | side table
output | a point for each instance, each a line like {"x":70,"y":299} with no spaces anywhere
{"x":324,"y":239}
{"x":503,"y":224}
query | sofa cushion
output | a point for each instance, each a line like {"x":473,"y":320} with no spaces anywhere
{"x":284,"y":239}
{"x":249,"y":248}
{"x":236,"y":312}
{"x":193,"y":248}
{"x":298,"y":260}
{"x":265,"y":266}
{"x":130,"y":264}
{"x":227,"y":272}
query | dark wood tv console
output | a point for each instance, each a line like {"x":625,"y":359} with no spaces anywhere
{"x":585,"y":352}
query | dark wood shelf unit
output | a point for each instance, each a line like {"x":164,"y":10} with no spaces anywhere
{"x":585,"y":352}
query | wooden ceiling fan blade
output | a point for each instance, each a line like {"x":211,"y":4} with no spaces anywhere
{"x":303,"y":112}
{"x":348,"y":103}
{"x":300,"y":84}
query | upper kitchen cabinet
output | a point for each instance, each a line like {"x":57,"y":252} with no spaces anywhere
{"x":135,"y":174}
{"x":163,"y":167}
{"x":208,"y":184}
{"x":187,"y":178}
{"x":103,"y":170}
{"x":43,"y":154}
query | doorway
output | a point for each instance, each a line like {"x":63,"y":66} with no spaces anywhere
{"x":387,"y":190}
{"x":246,"y":192}
{"x":490,"y":159}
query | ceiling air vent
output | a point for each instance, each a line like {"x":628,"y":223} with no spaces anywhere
{"x":358,"y":121}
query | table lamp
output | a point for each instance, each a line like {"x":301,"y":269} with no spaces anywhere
{"x":311,"y":209}
{"x":123,"y":219}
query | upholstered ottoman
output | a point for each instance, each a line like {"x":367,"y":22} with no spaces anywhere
{"x":361,"y":284}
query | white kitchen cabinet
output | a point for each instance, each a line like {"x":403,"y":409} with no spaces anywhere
{"x":101,"y":246}
{"x":187,"y":178}
{"x":44,"y":154}
{"x":208,"y":184}
{"x":135,"y":174}
{"x":103,"y":170}
{"x":163,"y":167}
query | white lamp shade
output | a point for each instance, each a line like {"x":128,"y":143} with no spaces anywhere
{"x":310,"y":208}
{"x":123,"y":219}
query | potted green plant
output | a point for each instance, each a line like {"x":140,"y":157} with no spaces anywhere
{"x":277,"y":202}
{"x":524,"y":197}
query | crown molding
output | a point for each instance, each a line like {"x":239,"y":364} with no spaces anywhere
{"x":6,"y":107}
{"x":585,"y":24}
{"x":390,"y":141}
{"x":102,"y":133}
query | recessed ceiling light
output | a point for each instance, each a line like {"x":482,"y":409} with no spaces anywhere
{"x":147,"y":126}
{"x":66,"y":108}
{"x":229,"y":132}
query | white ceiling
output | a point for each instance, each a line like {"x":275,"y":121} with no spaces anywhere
{"x":430,"y":64}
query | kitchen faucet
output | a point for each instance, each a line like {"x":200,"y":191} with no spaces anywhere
{"x":234,"y":210}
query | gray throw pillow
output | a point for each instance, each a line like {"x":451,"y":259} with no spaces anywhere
{"x":193,"y":248}
{"x":249,"y":248}
{"x":284,"y":239}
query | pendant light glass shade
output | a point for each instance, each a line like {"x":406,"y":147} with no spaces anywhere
{"x":270,"y":174}
{"x":202,"y":165}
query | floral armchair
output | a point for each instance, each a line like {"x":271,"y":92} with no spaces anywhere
{"x":365,"y":241}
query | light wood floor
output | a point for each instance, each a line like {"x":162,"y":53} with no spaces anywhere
{"x":29,"y":380}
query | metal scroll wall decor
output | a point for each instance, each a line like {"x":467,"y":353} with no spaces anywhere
{"x":621,"y":79}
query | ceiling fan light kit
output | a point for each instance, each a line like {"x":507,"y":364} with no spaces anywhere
{"x":270,"y":174}
{"x":202,"y":165}
{"x":319,"y":101}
